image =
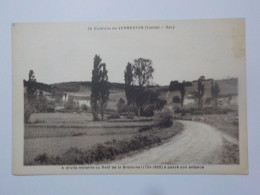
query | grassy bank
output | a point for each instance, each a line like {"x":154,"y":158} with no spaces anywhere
{"x":223,"y":123}
{"x":230,"y":153}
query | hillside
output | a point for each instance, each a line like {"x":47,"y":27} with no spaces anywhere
{"x":84,"y":86}
{"x":227,"y":86}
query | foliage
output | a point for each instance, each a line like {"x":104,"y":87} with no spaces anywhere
{"x":42,"y":158}
{"x":100,"y":87}
{"x":143,"y":73}
{"x":95,"y":86}
{"x":200,"y":92}
{"x":31,"y":85}
{"x":30,"y":98}
{"x":129,"y":83}
{"x":215,"y":90}
{"x":84,"y":107}
{"x":72,"y":104}
{"x":182,"y":91}
{"x":103,"y":89}
{"x":164,"y":118}
{"x":176,"y":99}
{"x":148,"y":110}
{"x":151,"y":102}
{"x":99,"y":152}
{"x":174,"y":86}
{"x":120,"y":105}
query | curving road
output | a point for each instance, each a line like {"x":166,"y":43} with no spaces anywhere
{"x":198,"y":143}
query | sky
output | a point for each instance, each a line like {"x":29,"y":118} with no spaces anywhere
{"x":179,"y":50}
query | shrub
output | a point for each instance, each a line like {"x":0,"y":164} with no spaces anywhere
{"x":99,"y":152}
{"x":120,"y":105}
{"x":84,"y":107}
{"x":176,"y":99}
{"x":147,"y":111}
{"x":72,"y":104}
{"x":164,"y":118}
{"x":42,"y":158}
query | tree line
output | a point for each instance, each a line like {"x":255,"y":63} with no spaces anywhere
{"x":137,"y":76}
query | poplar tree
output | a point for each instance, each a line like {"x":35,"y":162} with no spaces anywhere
{"x":129,"y":83}
{"x":215,"y":90}
{"x":200,"y":91}
{"x":100,"y":88}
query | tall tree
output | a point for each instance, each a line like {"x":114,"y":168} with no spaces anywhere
{"x":129,"y":83}
{"x":31,"y":86}
{"x":95,"y":86}
{"x":215,"y":90}
{"x":103,"y":89}
{"x":200,"y":91}
{"x":30,"y":98}
{"x":143,"y":73}
{"x":182,"y":91}
{"x":100,"y":87}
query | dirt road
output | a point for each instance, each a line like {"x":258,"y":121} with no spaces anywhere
{"x":198,"y":144}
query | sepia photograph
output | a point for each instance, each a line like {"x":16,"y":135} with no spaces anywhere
{"x":129,"y":97}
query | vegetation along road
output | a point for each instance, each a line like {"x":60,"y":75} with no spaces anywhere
{"x":199,"y":143}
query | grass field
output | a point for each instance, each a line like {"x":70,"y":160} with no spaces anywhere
{"x":56,"y":133}
{"x":223,"y":122}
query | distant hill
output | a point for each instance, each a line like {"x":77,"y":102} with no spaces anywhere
{"x":41,"y":86}
{"x":227,"y":86}
{"x":84,"y":86}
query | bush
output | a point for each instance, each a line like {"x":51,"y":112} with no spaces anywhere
{"x":72,"y":105}
{"x":84,"y":107}
{"x":164,"y":118}
{"x":147,"y":111}
{"x":42,"y":158}
{"x":99,"y":152}
{"x":120,"y":105}
{"x":176,"y":99}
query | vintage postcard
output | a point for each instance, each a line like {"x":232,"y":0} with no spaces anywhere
{"x":129,"y":97}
